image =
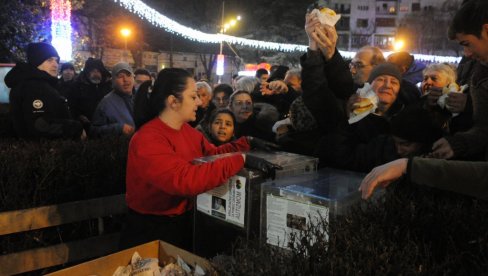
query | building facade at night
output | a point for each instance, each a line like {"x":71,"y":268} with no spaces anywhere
{"x":379,"y":23}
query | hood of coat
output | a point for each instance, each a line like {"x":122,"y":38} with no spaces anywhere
{"x":90,"y":64}
{"x":23,"y":72}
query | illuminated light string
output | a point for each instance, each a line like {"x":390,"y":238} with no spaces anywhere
{"x":157,"y":19}
{"x":61,"y":28}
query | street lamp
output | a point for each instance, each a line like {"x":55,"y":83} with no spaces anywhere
{"x":223,"y":28}
{"x":125,"y":33}
{"x":398,"y":45}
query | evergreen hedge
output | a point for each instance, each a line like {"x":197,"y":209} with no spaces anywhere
{"x":37,"y":173}
{"x":412,"y":230}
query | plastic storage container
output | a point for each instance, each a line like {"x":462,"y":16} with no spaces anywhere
{"x":232,"y":210}
{"x":288,"y":205}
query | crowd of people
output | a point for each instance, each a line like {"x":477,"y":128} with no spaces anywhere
{"x":354,"y":115}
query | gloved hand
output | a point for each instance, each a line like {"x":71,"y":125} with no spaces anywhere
{"x":261,"y":144}
{"x":268,"y":169}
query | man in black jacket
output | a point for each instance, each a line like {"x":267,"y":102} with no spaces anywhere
{"x":88,"y":90}
{"x":36,"y":107}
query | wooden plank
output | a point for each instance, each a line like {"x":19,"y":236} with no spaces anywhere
{"x":53,"y":215}
{"x":58,"y":254}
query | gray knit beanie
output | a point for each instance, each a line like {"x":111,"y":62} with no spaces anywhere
{"x":386,"y":68}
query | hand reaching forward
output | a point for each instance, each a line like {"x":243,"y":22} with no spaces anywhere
{"x":382,"y":176}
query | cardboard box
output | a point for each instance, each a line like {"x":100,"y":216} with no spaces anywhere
{"x":155,"y":249}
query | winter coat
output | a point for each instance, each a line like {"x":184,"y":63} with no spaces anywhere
{"x":326,"y":86}
{"x":472,"y":143}
{"x":259,"y":124}
{"x":409,"y":93}
{"x":65,"y":87}
{"x":84,"y":96}
{"x":462,"y":177}
{"x":414,"y":73}
{"x":37,"y":109}
{"x":340,"y":150}
{"x":113,"y":111}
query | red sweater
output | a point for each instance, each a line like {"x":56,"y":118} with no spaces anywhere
{"x":161,"y":179}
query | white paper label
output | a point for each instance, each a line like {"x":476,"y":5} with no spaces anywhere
{"x":285,"y":216}
{"x":226,"y":202}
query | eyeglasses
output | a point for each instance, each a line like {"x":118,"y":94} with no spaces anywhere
{"x":358,"y":65}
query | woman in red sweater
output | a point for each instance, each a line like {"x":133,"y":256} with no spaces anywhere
{"x":161,"y":179}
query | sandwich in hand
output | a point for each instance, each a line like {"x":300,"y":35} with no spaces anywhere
{"x":451,"y":88}
{"x":325,"y":15}
{"x":367,"y":104}
{"x":362,"y":106}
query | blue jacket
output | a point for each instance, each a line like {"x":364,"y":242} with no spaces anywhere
{"x":414,"y":74}
{"x":113,"y":111}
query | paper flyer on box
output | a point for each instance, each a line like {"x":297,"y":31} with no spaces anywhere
{"x":285,"y":216}
{"x":226,"y":202}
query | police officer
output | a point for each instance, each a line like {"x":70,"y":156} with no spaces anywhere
{"x":36,"y":107}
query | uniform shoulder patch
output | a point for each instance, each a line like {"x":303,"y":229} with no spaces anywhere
{"x":37,"y":104}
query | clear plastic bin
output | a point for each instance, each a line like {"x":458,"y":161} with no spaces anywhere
{"x":232,"y":210}
{"x":289,"y":204}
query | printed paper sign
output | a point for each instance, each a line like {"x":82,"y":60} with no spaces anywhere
{"x":285,"y":216}
{"x":226,"y":202}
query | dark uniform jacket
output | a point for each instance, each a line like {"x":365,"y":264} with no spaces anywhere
{"x":36,"y":107}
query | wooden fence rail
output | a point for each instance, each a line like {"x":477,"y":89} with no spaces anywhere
{"x":54,"y":215}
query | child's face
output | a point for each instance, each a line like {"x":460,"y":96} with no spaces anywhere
{"x":222,"y":128}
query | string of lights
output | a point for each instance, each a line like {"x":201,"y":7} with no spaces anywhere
{"x":157,"y":19}
{"x":61,"y":28}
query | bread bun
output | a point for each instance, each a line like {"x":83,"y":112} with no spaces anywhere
{"x":362,"y":106}
{"x":328,"y":11}
{"x":452,"y":87}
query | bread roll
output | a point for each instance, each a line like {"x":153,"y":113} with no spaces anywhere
{"x":362,"y":106}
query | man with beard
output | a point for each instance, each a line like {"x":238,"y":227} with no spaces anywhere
{"x":88,"y":90}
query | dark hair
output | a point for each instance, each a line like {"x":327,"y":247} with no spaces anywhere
{"x":223,"y":87}
{"x":218,"y":111}
{"x":469,"y":19}
{"x":142,"y":71}
{"x":150,"y":101}
{"x":212,"y":117}
{"x":261,"y":72}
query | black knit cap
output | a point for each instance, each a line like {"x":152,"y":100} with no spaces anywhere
{"x":39,"y":52}
{"x":386,"y":68}
{"x":415,"y":124}
{"x":67,"y":65}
